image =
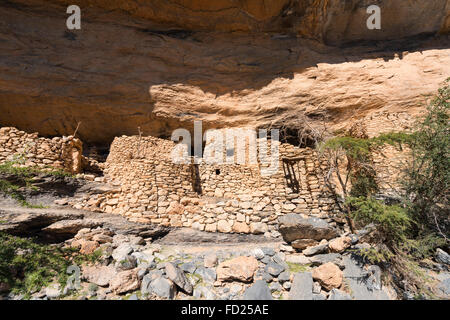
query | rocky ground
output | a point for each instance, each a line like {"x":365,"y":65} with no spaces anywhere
{"x":306,"y":259}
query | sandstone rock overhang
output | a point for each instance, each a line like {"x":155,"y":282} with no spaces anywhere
{"x":333,"y":22}
{"x":160,"y":65}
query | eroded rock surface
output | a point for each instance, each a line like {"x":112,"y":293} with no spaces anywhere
{"x":153,"y":65}
{"x":60,"y":224}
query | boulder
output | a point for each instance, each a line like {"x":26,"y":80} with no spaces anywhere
{"x":163,"y":288}
{"x":210,"y":260}
{"x":268,"y":251}
{"x":124,"y":281}
{"x":293,"y":227}
{"x":136,"y":240}
{"x":188,"y":267}
{"x":102,"y":238}
{"x":442,"y":256}
{"x":302,"y":244}
{"x":66,"y":228}
{"x":178,"y":277}
{"x":122,"y":251}
{"x":280,"y":258}
{"x":258,"y":291}
{"x":143,"y":257}
{"x":328,"y":275}
{"x":129,"y":262}
{"x":274,"y":268}
{"x":101,"y":275}
{"x":240,"y":269}
{"x":302,"y":286}
{"x":88,"y":247}
{"x":224,"y":226}
{"x":22,"y":221}
{"x":340,"y":244}
{"x":265,"y":276}
{"x":275,"y":286}
{"x":284,"y":247}
{"x":284,"y":276}
{"x":148,"y":278}
{"x":258,"y":228}
{"x":258,"y":253}
{"x":321,"y":248}
{"x":241,"y":227}
{"x":145,"y":284}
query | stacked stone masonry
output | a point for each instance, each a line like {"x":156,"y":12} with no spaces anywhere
{"x":30,"y":150}
{"x":388,"y":160}
{"x":389,"y":163}
{"x":151,"y":188}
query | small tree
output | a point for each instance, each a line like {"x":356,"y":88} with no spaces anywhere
{"x":350,"y":165}
{"x":427,"y":177}
{"x":420,"y":223}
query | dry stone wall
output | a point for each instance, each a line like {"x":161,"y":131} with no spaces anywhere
{"x":151,"y":188}
{"x":30,"y":150}
{"x":389,"y":163}
{"x":211,"y":197}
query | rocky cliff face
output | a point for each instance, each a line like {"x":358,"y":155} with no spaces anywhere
{"x":159,"y":65}
{"x":333,"y":21}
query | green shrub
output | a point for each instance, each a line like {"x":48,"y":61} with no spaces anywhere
{"x":12,"y":168}
{"x":23,"y":179}
{"x":423,"y":246}
{"x":391,"y":220}
{"x":13,"y":191}
{"x":420,"y":224}
{"x":27,"y":265}
{"x":364,"y":182}
{"x":356,"y":148}
{"x":375,"y":256}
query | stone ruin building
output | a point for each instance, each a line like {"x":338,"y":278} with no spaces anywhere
{"x":30,"y":150}
{"x":149,"y":187}
{"x":212,"y":197}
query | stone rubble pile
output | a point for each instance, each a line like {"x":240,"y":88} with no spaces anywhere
{"x":131,"y":267}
